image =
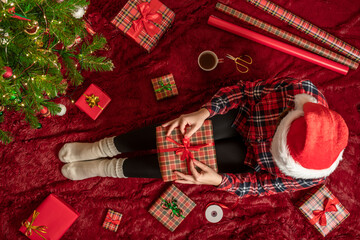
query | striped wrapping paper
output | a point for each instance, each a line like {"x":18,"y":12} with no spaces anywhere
{"x":165,"y":215}
{"x":288,"y":36}
{"x":314,"y":201}
{"x":307,"y":28}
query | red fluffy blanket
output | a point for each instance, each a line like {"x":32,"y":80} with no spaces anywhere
{"x":30,"y":168}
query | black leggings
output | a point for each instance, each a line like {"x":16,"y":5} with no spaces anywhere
{"x":229,"y":145}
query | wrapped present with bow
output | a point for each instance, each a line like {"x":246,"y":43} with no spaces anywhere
{"x":93,"y":101}
{"x":50,"y":220}
{"x":112,"y":220}
{"x":144,"y":21}
{"x":175,"y":152}
{"x":164,"y":86}
{"x":172,"y":207}
{"x":323,"y":210}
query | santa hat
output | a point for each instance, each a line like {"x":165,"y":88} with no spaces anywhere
{"x":310,"y":140}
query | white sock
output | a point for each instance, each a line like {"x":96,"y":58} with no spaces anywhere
{"x":97,"y":168}
{"x":76,"y":151}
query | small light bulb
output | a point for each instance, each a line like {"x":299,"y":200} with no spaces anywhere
{"x":32,"y":79}
{"x":39,"y":96}
{"x":14,"y":76}
{"x":22,"y":105}
{"x":27,"y":54}
{"x":11,"y":4}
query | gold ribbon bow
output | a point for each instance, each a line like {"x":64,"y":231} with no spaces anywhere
{"x":30,"y":228}
{"x":93,"y":101}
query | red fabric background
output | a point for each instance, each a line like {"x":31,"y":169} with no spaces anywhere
{"x":30,"y":169}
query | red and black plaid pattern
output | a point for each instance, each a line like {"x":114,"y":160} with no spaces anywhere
{"x":165,"y":216}
{"x":161,"y":86}
{"x":170,"y":161}
{"x":314,"y":200}
{"x":112,"y":220}
{"x":260,"y":104}
{"x":307,"y":28}
{"x":129,"y":13}
{"x":288,"y":36}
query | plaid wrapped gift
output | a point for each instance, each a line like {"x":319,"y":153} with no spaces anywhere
{"x":307,"y":28}
{"x":164,"y":87}
{"x":175,"y":151}
{"x":144,"y":21}
{"x":172,"y":207}
{"x":322,"y":209}
{"x":288,"y":36}
{"x":112,"y":220}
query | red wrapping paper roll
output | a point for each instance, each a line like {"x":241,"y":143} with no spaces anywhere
{"x":275,"y":44}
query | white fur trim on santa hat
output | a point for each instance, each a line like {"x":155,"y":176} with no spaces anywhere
{"x":280,"y":150}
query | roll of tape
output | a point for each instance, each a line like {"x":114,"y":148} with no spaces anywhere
{"x":214,"y":213}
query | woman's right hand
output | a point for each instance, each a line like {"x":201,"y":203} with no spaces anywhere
{"x":195,"y":120}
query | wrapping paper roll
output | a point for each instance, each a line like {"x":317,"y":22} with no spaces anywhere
{"x":307,"y":28}
{"x":288,"y":36}
{"x":283,"y":47}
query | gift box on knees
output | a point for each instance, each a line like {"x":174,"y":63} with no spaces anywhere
{"x":50,"y":220}
{"x":93,"y":101}
{"x":164,"y":87}
{"x":144,"y":21}
{"x":175,"y":152}
{"x":323,"y":210}
{"x":112,"y":220}
{"x":172,"y":207}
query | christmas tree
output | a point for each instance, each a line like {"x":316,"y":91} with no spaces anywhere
{"x":38,"y":38}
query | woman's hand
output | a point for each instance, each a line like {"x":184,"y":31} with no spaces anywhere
{"x":206,"y":176}
{"x":195,"y":120}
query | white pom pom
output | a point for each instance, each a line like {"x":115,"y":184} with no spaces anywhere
{"x":63,"y":110}
{"x":79,"y":12}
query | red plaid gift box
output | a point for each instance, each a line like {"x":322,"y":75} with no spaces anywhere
{"x":144,"y":21}
{"x":50,"y":220}
{"x":322,"y":209}
{"x":93,"y":101}
{"x":112,"y":220}
{"x":175,"y":151}
{"x":164,"y":87}
{"x":172,"y":207}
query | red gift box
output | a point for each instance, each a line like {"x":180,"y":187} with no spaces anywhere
{"x":175,"y":151}
{"x":164,"y":86}
{"x":172,"y":207}
{"x":144,"y":21}
{"x":112,"y":220}
{"x":93,"y":101}
{"x":50,"y":220}
{"x":323,"y":210}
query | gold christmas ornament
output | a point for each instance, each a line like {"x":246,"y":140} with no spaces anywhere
{"x":32,"y":28}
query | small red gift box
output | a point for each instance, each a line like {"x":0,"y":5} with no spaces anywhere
{"x":164,"y":87}
{"x":93,"y":101}
{"x":175,"y":151}
{"x":323,"y":210}
{"x":144,"y":21}
{"x":112,"y":220}
{"x":50,"y":220}
{"x":172,"y":207}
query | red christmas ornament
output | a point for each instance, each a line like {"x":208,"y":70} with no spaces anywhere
{"x":8,"y":72}
{"x":45,"y":112}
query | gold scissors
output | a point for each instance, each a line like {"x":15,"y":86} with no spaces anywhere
{"x":239,"y":61}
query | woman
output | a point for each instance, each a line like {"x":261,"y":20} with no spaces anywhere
{"x":281,"y":128}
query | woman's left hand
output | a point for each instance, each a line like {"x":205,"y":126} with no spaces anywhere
{"x":207,"y":175}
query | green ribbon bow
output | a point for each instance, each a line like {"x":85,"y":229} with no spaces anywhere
{"x":173,"y":206}
{"x":163,"y":87}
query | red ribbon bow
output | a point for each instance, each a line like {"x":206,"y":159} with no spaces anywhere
{"x":319,"y":215}
{"x":147,"y":19}
{"x":113,"y":221}
{"x":184,"y":150}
